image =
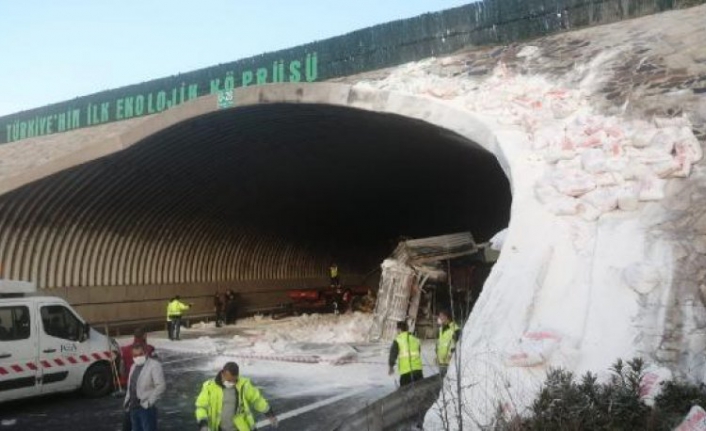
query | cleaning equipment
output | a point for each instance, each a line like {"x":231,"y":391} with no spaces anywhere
{"x":113,"y":368}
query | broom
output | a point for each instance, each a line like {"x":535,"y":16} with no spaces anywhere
{"x":114,"y":367}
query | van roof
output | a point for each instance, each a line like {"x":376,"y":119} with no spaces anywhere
{"x":16,"y":287}
{"x":31,"y":299}
{"x":23,"y":290}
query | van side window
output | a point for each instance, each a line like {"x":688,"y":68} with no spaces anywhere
{"x":14,"y":323}
{"x":59,"y":322}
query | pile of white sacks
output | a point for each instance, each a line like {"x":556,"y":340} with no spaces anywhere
{"x":600,"y":164}
{"x":570,"y":284}
{"x":596,"y":163}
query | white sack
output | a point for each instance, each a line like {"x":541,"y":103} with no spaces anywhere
{"x":534,"y":348}
{"x":604,"y":199}
{"x":628,"y":197}
{"x":651,"y":383}
{"x":695,"y":420}
{"x":651,"y":188}
{"x":497,"y":241}
{"x":572,"y":182}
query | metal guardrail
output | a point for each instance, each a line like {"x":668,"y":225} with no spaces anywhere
{"x":406,"y":405}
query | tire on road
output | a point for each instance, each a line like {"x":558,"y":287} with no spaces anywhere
{"x":97,"y":381}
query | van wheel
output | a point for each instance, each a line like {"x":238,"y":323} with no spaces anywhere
{"x":97,"y":381}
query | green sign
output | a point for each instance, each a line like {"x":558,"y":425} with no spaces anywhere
{"x":136,"y":103}
{"x":225,"y":99}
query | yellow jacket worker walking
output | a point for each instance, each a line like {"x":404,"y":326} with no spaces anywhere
{"x":446,"y":344}
{"x":226,"y":403}
{"x":406,"y":350}
{"x":174,"y":310}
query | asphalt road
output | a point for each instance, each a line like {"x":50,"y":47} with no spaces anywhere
{"x":176,"y":412}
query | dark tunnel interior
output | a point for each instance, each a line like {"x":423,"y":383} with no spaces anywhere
{"x":268,"y":191}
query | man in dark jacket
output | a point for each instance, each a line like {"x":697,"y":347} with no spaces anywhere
{"x":219,"y":305}
{"x":231,"y":307}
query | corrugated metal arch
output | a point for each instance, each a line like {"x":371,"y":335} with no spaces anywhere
{"x":263,"y":191}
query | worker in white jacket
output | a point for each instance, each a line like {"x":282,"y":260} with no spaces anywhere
{"x":144,"y":389}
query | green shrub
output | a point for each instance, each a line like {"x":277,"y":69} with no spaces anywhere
{"x":565,"y":404}
{"x":675,"y":401}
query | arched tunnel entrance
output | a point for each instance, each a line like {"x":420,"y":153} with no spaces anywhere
{"x":259,"y":198}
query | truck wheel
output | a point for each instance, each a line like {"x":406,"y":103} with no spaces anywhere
{"x":97,"y":381}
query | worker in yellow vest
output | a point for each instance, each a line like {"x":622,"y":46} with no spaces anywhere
{"x":333,"y":273}
{"x":446,"y":344}
{"x":174,"y":310}
{"x":406,"y":351}
{"x":229,"y":402}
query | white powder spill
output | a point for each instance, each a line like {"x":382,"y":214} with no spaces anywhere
{"x":272,"y":349}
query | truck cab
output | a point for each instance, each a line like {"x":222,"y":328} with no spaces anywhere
{"x":46,"y":347}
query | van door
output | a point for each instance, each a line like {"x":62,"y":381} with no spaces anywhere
{"x":61,"y":366}
{"x":18,"y":351}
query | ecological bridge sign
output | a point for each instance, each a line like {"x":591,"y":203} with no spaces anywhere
{"x":149,"y":99}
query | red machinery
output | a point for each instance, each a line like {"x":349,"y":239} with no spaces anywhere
{"x":322,"y":299}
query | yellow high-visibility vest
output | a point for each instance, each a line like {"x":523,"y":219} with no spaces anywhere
{"x":409,"y":357}
{"x":446,"y":344}
{"x":209,"y":404}
{"x":175,"y":308}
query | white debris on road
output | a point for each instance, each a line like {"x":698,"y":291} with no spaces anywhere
{"x":269,"y":349}
{"x":324,"y":337}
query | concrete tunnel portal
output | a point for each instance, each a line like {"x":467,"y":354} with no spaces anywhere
{"x":260,"y":198}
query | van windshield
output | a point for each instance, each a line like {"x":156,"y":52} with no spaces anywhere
{"x":60,"y":322}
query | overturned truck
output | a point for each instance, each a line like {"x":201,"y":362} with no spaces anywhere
{"x":416,"y":268}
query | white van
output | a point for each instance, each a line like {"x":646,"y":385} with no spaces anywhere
{"x":46,"y":347}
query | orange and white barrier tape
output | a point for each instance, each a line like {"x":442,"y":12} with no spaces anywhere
{"x":63,"y":361}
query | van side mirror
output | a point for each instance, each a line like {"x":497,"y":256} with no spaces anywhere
{"x":85,"y":333}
